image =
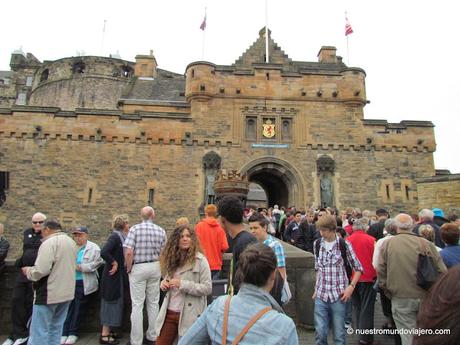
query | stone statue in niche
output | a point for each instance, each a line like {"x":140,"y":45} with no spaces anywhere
{"x":210,"y":194}
{"x":326,"y":191}
{"x":211,"y":165}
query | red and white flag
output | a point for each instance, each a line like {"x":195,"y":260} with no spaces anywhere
{"x":203,"y":24}
{"x":348,"y":28}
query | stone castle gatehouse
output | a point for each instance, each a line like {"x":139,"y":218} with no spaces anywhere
{"x":84,"y":138}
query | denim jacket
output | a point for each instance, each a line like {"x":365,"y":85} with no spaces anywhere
{"x":273,"y":328}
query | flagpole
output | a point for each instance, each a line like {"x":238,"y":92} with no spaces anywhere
{"x":204,"y":36}
{"x":348,"y":53}
{"x":348,"y":31}
{"x":267,"y":59}
{"x":103,"y":37}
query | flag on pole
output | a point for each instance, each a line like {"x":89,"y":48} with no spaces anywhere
{"x":203,"y":24}
{"x":348,"y":28}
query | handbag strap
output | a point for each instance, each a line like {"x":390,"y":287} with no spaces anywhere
{"x":226,"y":310}
{"x":245,"y":329}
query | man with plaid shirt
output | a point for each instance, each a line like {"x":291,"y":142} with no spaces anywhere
{"x":333,"y":288}
{"x":143,"y":246}
{"x":258,"y":226}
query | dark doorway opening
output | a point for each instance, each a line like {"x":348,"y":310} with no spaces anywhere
{"x":274,"y":185}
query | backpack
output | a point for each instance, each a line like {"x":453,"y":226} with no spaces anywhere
{"x":343,"y":251}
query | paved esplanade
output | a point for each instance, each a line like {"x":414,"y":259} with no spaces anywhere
{"x":306,"y":337}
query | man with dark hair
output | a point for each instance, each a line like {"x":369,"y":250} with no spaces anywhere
{"x":231,"y":218}
{"x":23,"y":294}
{"x":308,"y":231}
{"x":212,"y":239}
{"x":258,"y":226}
{"x":376,"y":230}
{"x":53,"y":275}
{"x":293,"y":235}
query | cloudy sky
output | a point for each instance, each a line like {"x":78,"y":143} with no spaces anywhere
{"x":409,"y":49}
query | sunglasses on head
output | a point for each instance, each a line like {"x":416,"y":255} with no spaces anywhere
{"x":38,"y":222}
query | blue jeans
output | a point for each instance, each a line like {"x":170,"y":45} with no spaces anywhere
{"x":47,"y":322}
{"x":325,"y":313}
{"x":349,"y":312}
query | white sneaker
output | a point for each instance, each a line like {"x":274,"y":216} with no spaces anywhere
{"x":8,"y":342}
{"x":63,"y":339}
{"x":71,"y":340}
{"x":21,"y":341}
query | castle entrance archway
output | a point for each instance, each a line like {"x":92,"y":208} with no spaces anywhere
{"x":280,"y":180}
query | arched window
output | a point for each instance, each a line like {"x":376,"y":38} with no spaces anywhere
{"x":251,"y":132}
{"x":44,"y":75}
{"x":286,"y":132}
{"x":78,"y":67}
{"x":126,"y":72}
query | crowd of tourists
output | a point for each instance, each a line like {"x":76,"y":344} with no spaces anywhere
{"x":411,"y":262}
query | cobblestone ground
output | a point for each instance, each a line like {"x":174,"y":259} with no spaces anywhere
{"x":306,"y":337}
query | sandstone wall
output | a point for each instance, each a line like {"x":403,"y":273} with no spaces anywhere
{"x":81,"y":82}
{"x":84,"y":168}
{"x":441,"y":192}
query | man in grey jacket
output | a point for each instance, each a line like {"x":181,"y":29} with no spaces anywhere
{"x":54,"y":284}
{"x":396,"y":270}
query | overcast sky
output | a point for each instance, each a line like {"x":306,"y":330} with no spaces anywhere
{"x":409,"y":49}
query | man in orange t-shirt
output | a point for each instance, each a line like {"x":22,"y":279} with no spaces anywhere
{"x":213,"y":240}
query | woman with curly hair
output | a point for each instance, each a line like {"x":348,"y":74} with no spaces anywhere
{"x":187,"y":280}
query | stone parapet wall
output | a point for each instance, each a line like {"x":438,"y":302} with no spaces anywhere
{"x":56,"y":159}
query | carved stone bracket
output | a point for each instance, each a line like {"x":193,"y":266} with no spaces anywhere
{"x":211,"y":161}
{"x":325,"y":164}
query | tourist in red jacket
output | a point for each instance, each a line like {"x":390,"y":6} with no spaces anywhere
{"x":364,"y":293}
{"x":213,"y":240}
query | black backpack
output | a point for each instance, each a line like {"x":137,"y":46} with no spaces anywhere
{"x":343,"y":251}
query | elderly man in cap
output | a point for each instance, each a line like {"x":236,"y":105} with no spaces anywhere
{"x":88,"y":261}
{"x":377,"y":230}
{"x":53,"y":275}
